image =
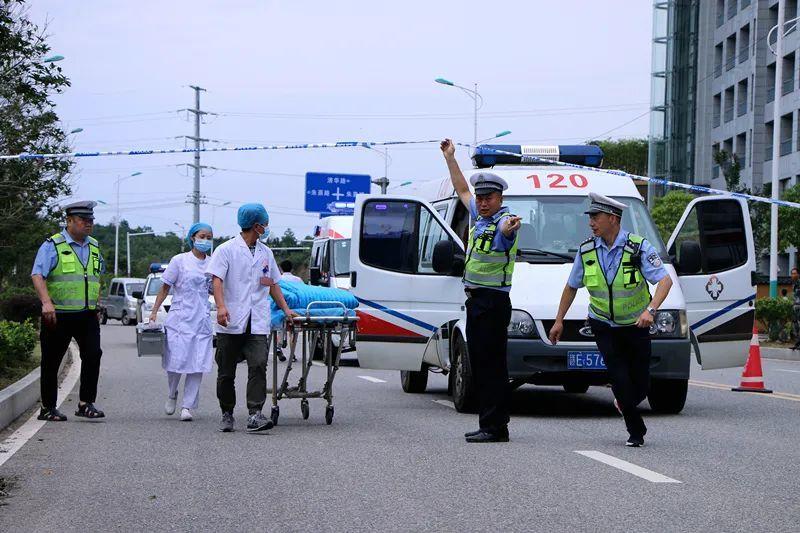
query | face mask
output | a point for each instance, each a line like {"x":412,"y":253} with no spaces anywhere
{"x":203,"y":245}
{"x":263,"y":237}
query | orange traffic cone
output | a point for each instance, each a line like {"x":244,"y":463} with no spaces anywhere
{"x":752,"y":376}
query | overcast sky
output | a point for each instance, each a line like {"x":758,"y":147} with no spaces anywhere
{"x":551,"y":72}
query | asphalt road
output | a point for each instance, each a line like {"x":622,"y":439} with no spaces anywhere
{"x":398,"y":462}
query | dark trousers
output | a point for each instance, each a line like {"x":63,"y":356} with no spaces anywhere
{"x":626,"y":351}
{"x":231,"y":349}
{"x":488,"y":315}
{"x":84,"y":327}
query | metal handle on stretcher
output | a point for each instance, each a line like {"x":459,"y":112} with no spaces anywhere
{"x":323,"y":303}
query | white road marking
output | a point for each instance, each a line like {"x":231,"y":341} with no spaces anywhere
{"x":787,"y":370}
{"x":373,"y":380}
{"x":446,"y":403}
{"x":625,"y":466}
{"x":318,"y":363}
{"x":26,"y":431}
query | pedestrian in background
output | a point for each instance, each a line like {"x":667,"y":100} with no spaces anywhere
{"x":796,"y":308}
{"x":245,"y":275}
{"x":66,"y":276}
{"x":188,"y":348}
{"x":286,"y":272}
{"x":615,"y":267}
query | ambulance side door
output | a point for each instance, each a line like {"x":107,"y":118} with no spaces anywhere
{"x":404,"y":305}
{"x":714,"y":255}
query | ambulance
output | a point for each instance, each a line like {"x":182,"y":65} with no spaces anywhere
{"x":329,"y":265}
{"x":407,"y":261}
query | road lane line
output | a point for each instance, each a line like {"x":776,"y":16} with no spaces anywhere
{"x":26,"y":431}
{"x":318,"y":363}
{"x":625,"y":466}
{"x":720,"y":386}
{"x":373,"y":380}
{"x":446,"y":403}
{"x":787,"y":370}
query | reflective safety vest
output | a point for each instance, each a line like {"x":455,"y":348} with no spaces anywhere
{"x":627,"y":296}
{"x":485,"y":266}
{"x":71,"y":286}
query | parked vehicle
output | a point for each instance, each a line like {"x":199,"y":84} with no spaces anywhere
{"x":329,"y":265}
{"x":120,"y":302}
{"x":408,"y":257}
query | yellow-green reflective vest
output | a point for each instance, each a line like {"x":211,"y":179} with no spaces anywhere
{"x":627,"y":296}
{"x":71,"y":286}
{"x":484,"y":266}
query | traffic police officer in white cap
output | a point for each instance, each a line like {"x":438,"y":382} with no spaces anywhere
{"x":489,"y":267}
{"x":66,"y":276}
{"x":615,"y":266}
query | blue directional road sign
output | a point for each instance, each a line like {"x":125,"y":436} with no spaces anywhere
{"x":324,"y":191}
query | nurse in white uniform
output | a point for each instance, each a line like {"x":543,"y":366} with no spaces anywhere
{"x":188,"y":347}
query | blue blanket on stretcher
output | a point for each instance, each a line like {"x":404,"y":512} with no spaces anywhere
{"x":299,"y":295}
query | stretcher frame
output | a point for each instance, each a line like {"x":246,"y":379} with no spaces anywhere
{"x":307,"y":330}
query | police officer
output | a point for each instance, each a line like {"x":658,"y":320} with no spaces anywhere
{"x":615,"y":266}
{"x":491,"y":252}
{"x":66,"y":275}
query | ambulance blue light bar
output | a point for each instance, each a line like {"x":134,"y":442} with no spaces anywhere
{"x":489,"y":155}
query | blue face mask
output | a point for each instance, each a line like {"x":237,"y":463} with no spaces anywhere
{"x":203,"y":245}
{"x":264,"y":236}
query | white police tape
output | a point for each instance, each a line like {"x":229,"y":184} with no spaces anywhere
{"x":688,"y":187}
{"x":343,"y":144}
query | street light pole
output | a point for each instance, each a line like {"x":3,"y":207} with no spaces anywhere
{"x":183,"y":232}
{"x":116,"y":229}
{"x":475,"y":95}
{"x":128,"y":245}
{"x":776,"y":153}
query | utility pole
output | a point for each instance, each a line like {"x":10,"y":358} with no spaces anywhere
{"x":776,"y":154}
{"x":198,"y":115}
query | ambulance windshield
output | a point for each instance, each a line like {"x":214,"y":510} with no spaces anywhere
{"x":558,"y":223}
{"x":341,"y":256}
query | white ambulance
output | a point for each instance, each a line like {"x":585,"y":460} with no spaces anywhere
{"x":407,"y":260}
{"x":329,"y":265}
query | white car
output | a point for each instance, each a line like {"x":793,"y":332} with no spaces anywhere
{"x":407,"y":259}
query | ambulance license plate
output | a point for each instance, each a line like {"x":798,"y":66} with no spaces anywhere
{"x":585,"y":361}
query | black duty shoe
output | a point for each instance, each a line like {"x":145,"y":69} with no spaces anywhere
{"x":488,"y":436}
{"x":635,"y":442}
{"x":51,"y":415}
{"x":472,"y":433}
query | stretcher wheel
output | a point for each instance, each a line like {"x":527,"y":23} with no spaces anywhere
{"x":304,"y":409}
{"x":275,"y":414}
{"x":329,"y":415}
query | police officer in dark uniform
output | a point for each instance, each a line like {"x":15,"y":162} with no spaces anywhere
{"x":615,"y":266}
{"x":66,"y":275}
{"x":489,"y":267}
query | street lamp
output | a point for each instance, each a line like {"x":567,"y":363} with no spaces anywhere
{"x":53,"y":59}
{"x":77,"y":130}
{"x":116,"y":230}
{"x":128,"y":245}
{"x":501,"y":134}
{"x":472,"y":93}
{"x":384,"y":181}
{"x":214,"y":210}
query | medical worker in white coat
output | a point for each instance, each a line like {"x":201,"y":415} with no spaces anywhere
{"x":188,"y":348}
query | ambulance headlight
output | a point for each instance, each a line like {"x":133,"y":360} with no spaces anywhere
{"x":521,"y":324}
{"x":670,"y":324}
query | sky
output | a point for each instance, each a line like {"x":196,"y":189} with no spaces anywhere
{"x":311,"y":71}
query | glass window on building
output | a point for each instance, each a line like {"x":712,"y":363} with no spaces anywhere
{"x":720,"y":13}
{"x":791,"y":9}
{"x":741,"y":149}
{"x":786,"y":133}
{"x":729,"y":104}
{"x":717,"y":110}
{"x":718,"y":60}
{"x":744,"y":43}
{"x":741,"y":98}
{"x":743,"y":4}
{"x":731,"y":8}
{"x":788,"y":74}
{"x":770,"y":82}
{"x":730,"y":52}
{"x":714,"y":166}
{"x":768,"y":132}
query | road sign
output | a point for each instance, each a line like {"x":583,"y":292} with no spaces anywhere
{"x":324,"y":191}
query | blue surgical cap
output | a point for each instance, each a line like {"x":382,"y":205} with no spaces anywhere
{"x":251,"y":214}
{"x":194,"y":229}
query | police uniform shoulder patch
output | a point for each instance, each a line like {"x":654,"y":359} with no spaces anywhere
{"x":654,"y":259}
{"x":587,"y":245}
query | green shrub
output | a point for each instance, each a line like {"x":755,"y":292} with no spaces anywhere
{"x":17,"y":341}
{"x":20,"y":307}
{"x":776,"y":313}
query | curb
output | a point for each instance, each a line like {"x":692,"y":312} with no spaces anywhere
{"x":23,"y":394}
{"x":784,"y":354}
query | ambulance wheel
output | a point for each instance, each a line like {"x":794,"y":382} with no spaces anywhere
{"x":464,"y":394}
{"x":668,"y":396}
{"x":414,"y":382}
{"x":304,"y":409}
{"x":104,"y":317}
{"x":576,"y":388}
{"x":275,"y":414}
{"x":329,"y":415}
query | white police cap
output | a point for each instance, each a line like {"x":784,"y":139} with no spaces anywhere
{"x":486,"y":182}
{"x":83,"y":209}
{"x":604,"y":204}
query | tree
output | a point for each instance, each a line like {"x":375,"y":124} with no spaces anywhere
{"x":28,"y":123}
{"x":731,"y":170}
{"x":667,"y":211}
{"x":629,"y":155}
